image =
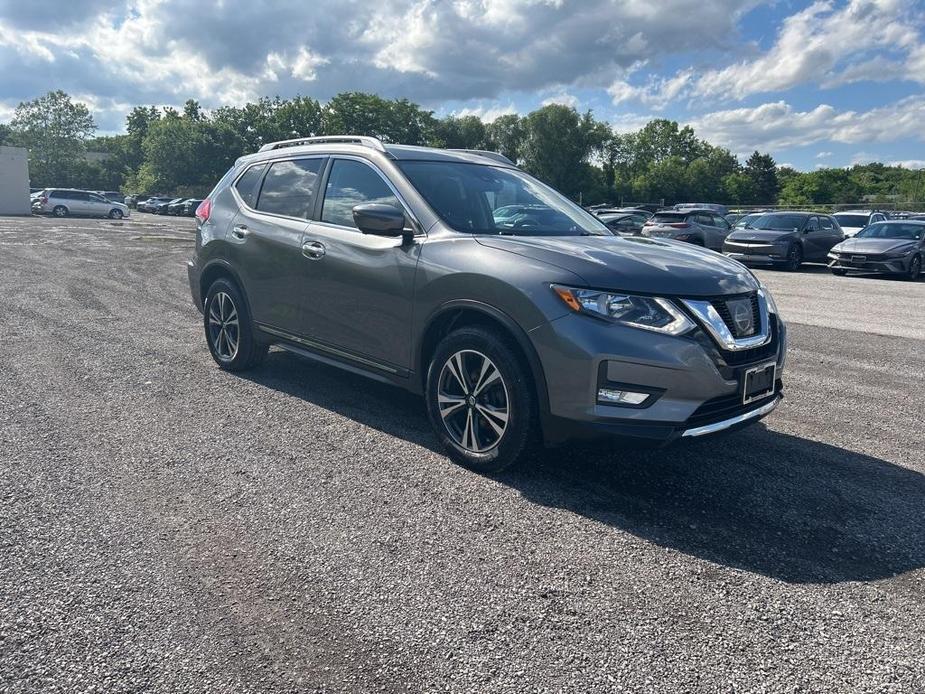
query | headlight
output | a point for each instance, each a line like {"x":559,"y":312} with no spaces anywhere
{"x":646,"y":312}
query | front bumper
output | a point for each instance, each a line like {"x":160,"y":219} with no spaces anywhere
{"x":887,"y":266}
{"x":764,"y":256}
{"x":696,"y":390}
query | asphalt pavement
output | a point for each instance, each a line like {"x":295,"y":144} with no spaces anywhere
{"x":169,"y":527}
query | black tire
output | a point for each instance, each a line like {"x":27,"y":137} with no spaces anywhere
{"x":794,"y":257}
{"x":60,"y":211}
{"x":838,"y":272}
{"x":115,"y":214}
{"x":248,"y":352}
{"x":516,"y":386}
{"x":915,"y":269}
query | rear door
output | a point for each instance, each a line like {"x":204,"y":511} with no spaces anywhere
{"x":716,"y":229}
{"x":275,"y":201}
{"x":360,"y":286}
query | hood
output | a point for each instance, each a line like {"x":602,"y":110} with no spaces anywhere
{"x":634,"y":264}
{"x":765,"y":235}
{"x":872,"y":246}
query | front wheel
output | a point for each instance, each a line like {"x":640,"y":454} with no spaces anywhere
{"x":229,"y":330}
{"x":480,"y":400}
{"x":915,"y":269}
{"x":794,"y":257}
{"x":60,"y":211}
{"x":115,"y":214}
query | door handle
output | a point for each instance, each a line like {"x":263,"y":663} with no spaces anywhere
{"x":240,"y":231}
{"x":313,"y":250}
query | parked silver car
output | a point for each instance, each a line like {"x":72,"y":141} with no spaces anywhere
{"x":64,"y":202}
{"x":889,"y":248}
{"x":699,"y":227}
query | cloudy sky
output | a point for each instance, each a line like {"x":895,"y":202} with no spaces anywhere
{"x":823,"y":83}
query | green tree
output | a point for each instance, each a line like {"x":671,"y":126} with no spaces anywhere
{"x":54,"y":129}
{"x":356,"y":113}
{"x":762,"y":169}
{"x":468,"y":132}
{"x":506,"y":134}
{"x":558,"y":143}
{"x":6,"y":134}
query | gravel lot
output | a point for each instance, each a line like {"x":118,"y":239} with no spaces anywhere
{"x":168,"y":527}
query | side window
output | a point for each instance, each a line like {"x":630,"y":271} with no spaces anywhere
{"x":289,"y":188}
{"x":80,"y":195}
{"x":703,"y":219}
{"x":249,"y":184}
{"x":353,"y":183}
{"x":720,"y":222}
{"x":97,"y":198}
{"x":812,"y":224}
{"x":826,"y":223}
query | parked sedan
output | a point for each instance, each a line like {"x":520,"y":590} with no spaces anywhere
{"x":163,"y":206}
{"x":625,"y":223}
{"x":190,"y":206}
{"x":175,"y":207}
{"x":148,"y":204}
{"x":699,"y":227}
{"x":784,"y":239}
{"x":890,"y":248}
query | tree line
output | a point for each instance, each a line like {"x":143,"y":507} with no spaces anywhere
{"x":184,"y":152}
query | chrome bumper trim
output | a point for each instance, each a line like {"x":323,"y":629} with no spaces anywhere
{"x":726,"y":423}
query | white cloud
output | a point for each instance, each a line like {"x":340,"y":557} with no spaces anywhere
{"x":909,"y":163}
{"x":823,"y":155}
{"x":778,"y":125}
{"x":488,"y":114}
{"x":562,"y":99}
{"x":822,"y":43}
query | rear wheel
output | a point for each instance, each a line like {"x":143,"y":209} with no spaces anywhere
{"x":60,"y":211}
{"x":229,"y":330}
{"x":115,"y":214}
{"x":480,"y":400}
{"x":794,"y":257}
{"x":915,"y":269}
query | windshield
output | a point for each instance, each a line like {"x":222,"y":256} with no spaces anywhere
{"x":882,"y":230}
{"x":851,"y":220}
{"x":481,"y":199}
{"x":779,"y":222}
{"x":748,"y":220}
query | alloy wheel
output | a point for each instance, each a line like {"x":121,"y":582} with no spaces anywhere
{"x":473,"y":401}
{"x":224,"y":329}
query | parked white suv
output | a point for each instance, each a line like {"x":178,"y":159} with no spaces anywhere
{"x":62,"y":202}
{"x":852,"y":221}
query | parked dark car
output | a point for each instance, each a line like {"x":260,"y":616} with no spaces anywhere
{"x":700,"y":227}
{"x":163,"y":206}
{"x":148,"y":204}
{"x":784,"y":239}
{"x":722,"y":210}
{"x":388,"y":261}
{"x":175,"y":207}
{"x":888,"y":248}
{"x":625,"y":223}
{"x":190,"y":206}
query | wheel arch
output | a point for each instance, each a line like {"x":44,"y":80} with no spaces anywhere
{"x":466,"y":312}
{"x":218,"y":269}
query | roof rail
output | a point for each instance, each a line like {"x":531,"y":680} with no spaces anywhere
{"x":497,"y":156}
{"x":372,"y":142}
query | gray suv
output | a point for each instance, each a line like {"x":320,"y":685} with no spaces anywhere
{"x":391,"y":261}
{"x":700,"y":227}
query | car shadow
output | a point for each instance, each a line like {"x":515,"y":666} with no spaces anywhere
{"x":765,"y":502}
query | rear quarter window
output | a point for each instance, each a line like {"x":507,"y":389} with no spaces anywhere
{"x":248,"y":186}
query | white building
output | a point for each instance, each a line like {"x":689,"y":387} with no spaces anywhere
{"x":14,"y":181}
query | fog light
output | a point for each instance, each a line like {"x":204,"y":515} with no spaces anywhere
{"x":621,"y":397}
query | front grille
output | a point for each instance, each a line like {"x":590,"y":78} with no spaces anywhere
{"x":727,"y":407}
{"x":722,"y":308}
{"x":727,"y":361}
{"x":874,"y":257}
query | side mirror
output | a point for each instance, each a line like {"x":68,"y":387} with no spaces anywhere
{"x":379,"y":219}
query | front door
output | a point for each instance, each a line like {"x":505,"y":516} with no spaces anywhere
{"x":360,"y":286}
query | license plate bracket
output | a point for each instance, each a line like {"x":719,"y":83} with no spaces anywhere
{"x":758,"y":382}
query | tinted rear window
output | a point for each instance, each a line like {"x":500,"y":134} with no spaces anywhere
{"x":249,"y":184}
{"x":289,"y":188}
{"x":852,"y":220}
{"x":668,"y":217}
